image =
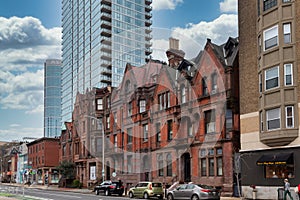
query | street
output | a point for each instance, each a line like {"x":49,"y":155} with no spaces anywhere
{"x":55,"y":195}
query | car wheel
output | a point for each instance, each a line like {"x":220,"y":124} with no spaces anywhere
{"x":106,"y":192}
{"x":97,"y":192}
{"x":170,"y":197}
{"x":130,"y":195}
{"x":195,"y":197}
{"x":146,"y":195}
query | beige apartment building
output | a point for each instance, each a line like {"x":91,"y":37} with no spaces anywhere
{"x":269,"y":36}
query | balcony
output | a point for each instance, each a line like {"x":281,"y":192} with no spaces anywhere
{"x":148,"y":51}
{"x":106,"y":24}
{"x":105,"y":16}
{"x":105,"y":8}
{"x":148,"y":30}
{"x":106,"y":73}
{"x":148,"y":22}
{"x":148,"y":2}
{"x":105,"y":32}
{"x":106,"y":56}
{"x":107,"y":81}
{"x":148,"y":8}
{"x":106,"y":2}
{"x":106,"y":48}
{"x":105,"y":40}
{"x":148,"y":37}
{"x":148,"y":15}
{"x":105,"y":64}
{"x":148,"y":44}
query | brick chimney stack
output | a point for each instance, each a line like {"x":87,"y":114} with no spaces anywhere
{"x":175,"y":56}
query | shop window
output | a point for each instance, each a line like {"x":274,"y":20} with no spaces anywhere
{"x":279,"y":171}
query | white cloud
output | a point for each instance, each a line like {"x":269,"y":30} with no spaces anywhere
{"x":19,"y":133}
{"x":228,"y":6}
{"x":159,"y":49}
{"x":165,"y":4}
{"x":25,"y":45}
{"x":194,"y":36}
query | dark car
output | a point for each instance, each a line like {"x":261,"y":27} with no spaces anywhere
{"x":193,"y":192}
{"x":110,"y":187}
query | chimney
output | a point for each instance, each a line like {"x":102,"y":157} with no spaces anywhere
{"x":173,"y":43}
{"x":175,"y":56}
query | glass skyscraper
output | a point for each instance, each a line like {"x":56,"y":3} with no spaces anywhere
{"x":99,"y":38}
{"x":52,"y":98}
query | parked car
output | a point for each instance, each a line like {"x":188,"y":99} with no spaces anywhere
{"x":193,"y":192}
{"x":109,"y":187}
{"x":147,"y":190}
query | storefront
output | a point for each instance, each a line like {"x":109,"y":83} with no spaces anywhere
{"x":263,"y":171}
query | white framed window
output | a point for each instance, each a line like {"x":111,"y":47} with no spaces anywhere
{"x":289,"y":115}
{"x":272,"y":78}
{"x":145,"y":132}
{"x":142,"y":105}
{"x":288,"y":74}
{"x":261,"y":121}
{"x":271,"y":37}
{"x":260,"y":83}
{"x":287,"y":33}
{"x":99,"y":104}
{"x":273,"y":119}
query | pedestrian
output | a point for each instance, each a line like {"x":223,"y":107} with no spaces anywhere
{"x":287,"y":189}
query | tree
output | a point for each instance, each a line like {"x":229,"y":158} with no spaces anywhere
{"x":67,"y":169}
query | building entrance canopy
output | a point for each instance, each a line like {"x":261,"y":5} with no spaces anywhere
{"x":275,"y":159}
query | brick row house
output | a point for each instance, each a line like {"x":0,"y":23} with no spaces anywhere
{"x":175,"y":122}
{"x":43,"y":160}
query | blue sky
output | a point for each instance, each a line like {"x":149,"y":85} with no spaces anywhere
{"x":30,"y":33}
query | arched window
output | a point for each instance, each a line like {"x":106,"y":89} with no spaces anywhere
{"x":169,"y":164}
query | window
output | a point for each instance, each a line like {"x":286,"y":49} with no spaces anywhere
{"x":289,"y":114}
{"x":108,"y":122}
{"x":99,"y":104}
{"x":108,"y":102}
{"x":269,"y":4}
{"x":210,"y":121}
{"x":214,"y":83}
{"x":164,"y":100}
{"x":204,"y":87}
{"x":271,"y":37}
{"x":272,"y":78}
{"x":219,"y":161}
{"x":170,"y":131}
{"x":258,"y":7}
{"x":115,"y":141}
{"x":160,"y":164}
{"x":169,"y":165}
{"x":129,"y":136}
{"x":287,"y":33}
{"x":189,"y":127}
{"x":273,"y":119}
{"x":183,"y":94}
{"x":145,"y":132}
{"x":280,"y":171}
{"x":261,"y":121}
{"x":158,"y":133}
{"x":129,"y":108}
{"x":211,"y":167}
{"x":228,"y":119}
{"x":129,"y":164}
{"x":142,"y":105}
{"x":259,"y":44}
{"x":288,"y":74}
{"x":286,"y":1}
{"x":203,"y":167}
{"x":260,"y":83}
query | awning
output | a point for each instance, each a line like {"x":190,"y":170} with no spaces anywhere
{"x":275,"y":159}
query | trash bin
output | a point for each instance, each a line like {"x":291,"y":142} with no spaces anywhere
{"x":280,"y":192}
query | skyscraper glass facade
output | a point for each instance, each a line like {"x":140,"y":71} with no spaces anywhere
{"x":52,"y":98}
{"x":99,"y":38}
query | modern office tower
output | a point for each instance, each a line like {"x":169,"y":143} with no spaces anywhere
{"x":99,"y":38}
{"x":52,"y":98}
{"x":269,"y":33}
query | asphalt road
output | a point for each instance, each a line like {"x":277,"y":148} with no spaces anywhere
{"x":57,"y":195}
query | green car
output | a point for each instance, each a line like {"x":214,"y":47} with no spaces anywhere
{"x":147,"y":190}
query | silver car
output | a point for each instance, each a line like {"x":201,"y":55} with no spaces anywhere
{"x":193,"y":192}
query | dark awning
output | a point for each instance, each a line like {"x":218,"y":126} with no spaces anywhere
{"x":275,"y":159}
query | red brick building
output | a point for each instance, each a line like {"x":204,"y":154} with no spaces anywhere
{"x":43,"y":158}
{"x":178,"y":122}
